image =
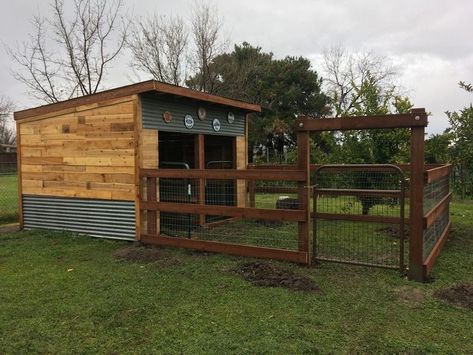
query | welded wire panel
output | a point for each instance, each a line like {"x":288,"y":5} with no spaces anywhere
{"x":8,"y":195}
{"x":181,"y":192}
{"x":358,"y":216}
{"x":434,"y":232}
{"x":435,"y":191}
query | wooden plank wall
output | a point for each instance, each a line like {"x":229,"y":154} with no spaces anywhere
{"x":84,"y":152}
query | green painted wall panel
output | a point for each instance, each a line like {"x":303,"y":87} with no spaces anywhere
{"x":153,"y":107}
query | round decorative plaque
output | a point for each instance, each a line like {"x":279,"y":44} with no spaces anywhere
{"x":230,"y":117}
{"x":167,"y":116}
{"x":201,"y":113}
{"x":216,"y":125}
{"x":188,"y":121}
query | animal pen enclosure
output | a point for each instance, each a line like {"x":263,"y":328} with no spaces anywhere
{"x":166,"y":165}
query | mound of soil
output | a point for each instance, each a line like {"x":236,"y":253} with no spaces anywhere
{"x":142,"y":254}
{"x":460,"y":295}
{"x":267,"y":275}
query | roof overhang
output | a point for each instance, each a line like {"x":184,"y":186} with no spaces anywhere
{"x":139,"y":88}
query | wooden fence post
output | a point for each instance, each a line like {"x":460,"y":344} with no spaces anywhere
{"x":416,"y":204}
{"x":199,"y":149}
{"x":151,"y":196}
{"x":303,"y":163}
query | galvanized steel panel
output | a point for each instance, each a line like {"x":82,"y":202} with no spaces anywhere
{"x":98,"y":218}
{"x":153,"y":107}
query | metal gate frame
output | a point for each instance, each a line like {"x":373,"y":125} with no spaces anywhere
{"x":398,"y":193}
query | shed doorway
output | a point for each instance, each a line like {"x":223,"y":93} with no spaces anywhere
{"x":193,"y":151}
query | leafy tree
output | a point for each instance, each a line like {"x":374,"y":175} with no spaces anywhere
{"x":462,"y":143}
{"x":437,"y":148}
{"x":284,"y":88}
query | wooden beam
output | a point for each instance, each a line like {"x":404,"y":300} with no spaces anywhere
{"x":134,"y":89}
{"x":359,"y":192}
{"x":357,"y":218}
{"x":430,"y":260}
{"x":230,"y":174}
{"x":226,"y":248}
{"x":417,"y":118}
{"x":229,"y":211}
{"x":18,"y":168}
{"x":151,"y":216}
{"x":137,"y":121}
{"x":304,"y":192}
{"x":199,"y":152}
{"x":436,"y":211}
{"x":437,"y":173}
{"x":416,"y":218}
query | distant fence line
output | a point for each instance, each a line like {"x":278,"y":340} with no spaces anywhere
{"x":8,"y":162}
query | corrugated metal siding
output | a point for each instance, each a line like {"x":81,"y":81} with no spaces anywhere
{"x":154,"y":106}
{"x":98,"y":218}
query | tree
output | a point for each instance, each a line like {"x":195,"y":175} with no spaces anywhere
{"x":284,"y":88}
{"x":347,"y":74}
{"x":207,"y":45}
{"x":437,"y":148}
{"x":7,"y":133}
{"x":462,"y":143}
{"x":82,"y":52}
{"x":159,"y":47}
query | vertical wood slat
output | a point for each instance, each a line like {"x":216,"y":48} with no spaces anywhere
{"x":303,"y":162}
{"x":137,"y":131}
{"x":151,"y":195}
{"x":416,"y":225}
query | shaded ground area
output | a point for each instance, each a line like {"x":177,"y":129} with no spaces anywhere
{"x":460,"y":295}
{"x":267,"y":275}
{"x":144,"y":254}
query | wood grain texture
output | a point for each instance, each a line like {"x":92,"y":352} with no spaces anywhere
{"x":87,"y":153}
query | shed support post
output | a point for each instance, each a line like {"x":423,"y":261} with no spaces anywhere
{"x":416,"y":204}
{"x":303,"y":162}
{"x":199,"y":151}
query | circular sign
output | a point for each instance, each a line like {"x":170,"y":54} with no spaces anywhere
{"x":167,"y":116}
{"x":188,"y":121}
{"x":230,"y":117}
{"x":201,"y":113}
{"x":216,"y":124}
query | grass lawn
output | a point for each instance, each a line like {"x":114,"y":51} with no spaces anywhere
{"x":62,"y":293}
{"x":8,"y":199}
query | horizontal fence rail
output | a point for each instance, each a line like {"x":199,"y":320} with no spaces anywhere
{"x":211,"y":210}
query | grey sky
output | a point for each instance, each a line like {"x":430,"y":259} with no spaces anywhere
{"x":429,"y":40}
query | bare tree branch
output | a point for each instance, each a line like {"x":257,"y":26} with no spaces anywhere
{"x":159,"y":47}
{"x":84,"y":49}
{"x":7,"y":131}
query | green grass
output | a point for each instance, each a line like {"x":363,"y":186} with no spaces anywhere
{"x":8,"y":199}
{"x":61,"y":293}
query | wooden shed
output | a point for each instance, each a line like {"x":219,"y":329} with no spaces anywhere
{"x":78,"y":160}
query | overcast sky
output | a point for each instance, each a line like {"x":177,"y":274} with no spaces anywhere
{"x":429,"y":40}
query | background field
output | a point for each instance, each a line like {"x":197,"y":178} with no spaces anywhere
{"x":8,"y":198}
{"x":65,"y":293}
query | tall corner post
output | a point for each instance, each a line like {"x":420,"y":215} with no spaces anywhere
{"x":416,"y":202}
{"x":303,"y":163}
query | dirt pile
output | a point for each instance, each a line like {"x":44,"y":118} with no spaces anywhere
{"x":460,"y":295}
{"x":267,"y":275}
{"x":142,"y":254}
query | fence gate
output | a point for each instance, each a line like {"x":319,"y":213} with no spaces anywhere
{"x":358,"y":215}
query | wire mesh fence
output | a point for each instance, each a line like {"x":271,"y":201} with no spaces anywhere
{"x":264,"y":232}
{"x":8,"y":194}
{"x":359,"y":216}
{"x":434,"y":191}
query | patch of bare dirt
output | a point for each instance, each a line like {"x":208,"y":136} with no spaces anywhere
{"x":410,"y":295}
{"x":267,"y":275}
{"x":393,"y":232}
{"x":143,"y":254}
{"x":460,"y":295}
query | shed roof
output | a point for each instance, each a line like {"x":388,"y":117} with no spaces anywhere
{"x":138,"y":88}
